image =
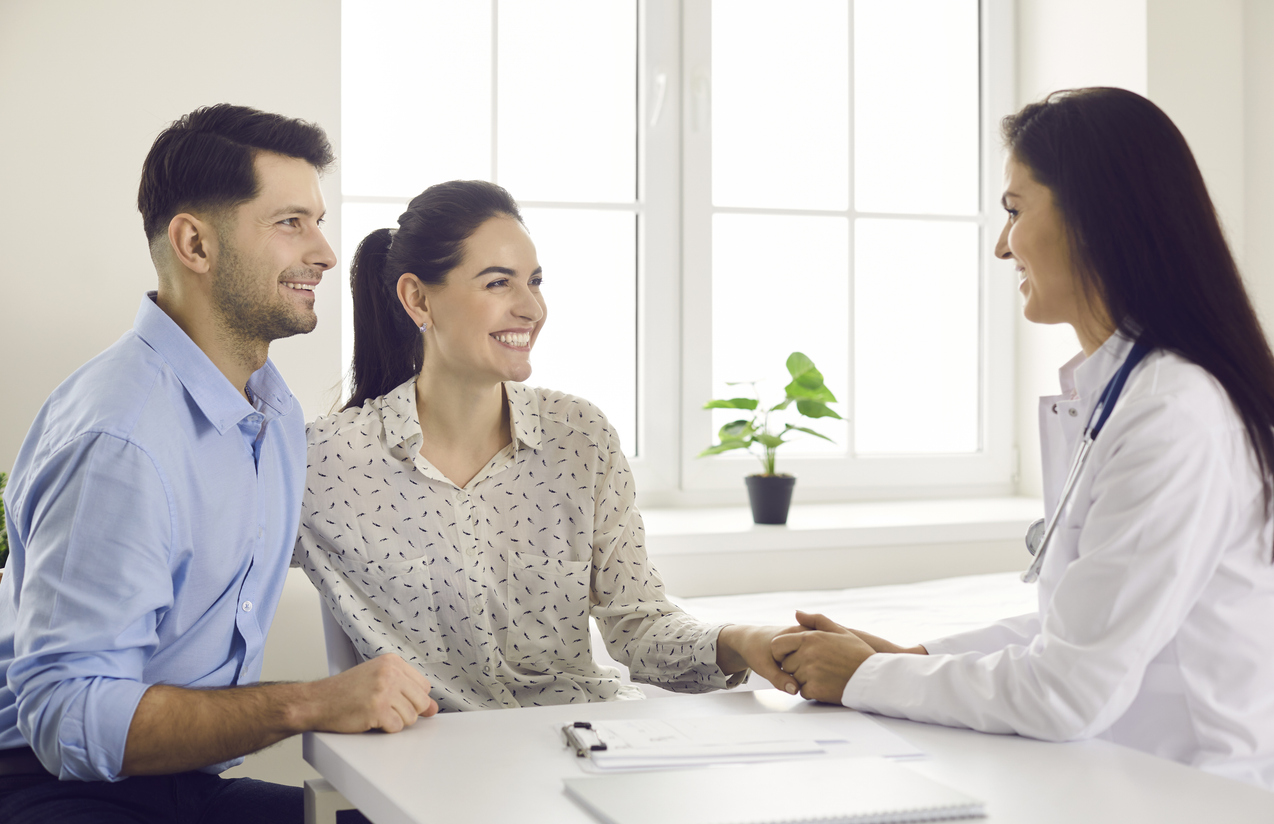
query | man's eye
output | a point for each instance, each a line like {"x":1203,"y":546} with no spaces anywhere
{"x":294,"y":222}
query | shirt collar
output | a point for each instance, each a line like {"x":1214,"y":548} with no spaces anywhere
{"x":1088,"y":376}
{"x":524,"y":413}
{"x":402,"y":424}
{"x":212,"y":392}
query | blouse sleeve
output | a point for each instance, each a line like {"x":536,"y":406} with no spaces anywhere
{"x":659,"y":642}
{"x":1143,"y":561}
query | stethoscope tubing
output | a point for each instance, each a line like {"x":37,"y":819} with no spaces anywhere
{"x":1105,"y":405}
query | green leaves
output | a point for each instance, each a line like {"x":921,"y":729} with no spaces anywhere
{"x":807,"y":382}
{"x":806,"y":390}
{"x":814,"y":409}
{"x":732,"y":403}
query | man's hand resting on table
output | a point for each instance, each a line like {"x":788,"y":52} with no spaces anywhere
{"x":822,"y":655}
{"x":176,"y":729}
{"x":385,"y":693}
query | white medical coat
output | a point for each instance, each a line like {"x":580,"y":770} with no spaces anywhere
{"x":1155,"y":626}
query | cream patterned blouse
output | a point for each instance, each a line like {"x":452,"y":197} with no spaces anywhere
{"x":488,"y":589}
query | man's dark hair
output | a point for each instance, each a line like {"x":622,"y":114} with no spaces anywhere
{"x":205,"y":160}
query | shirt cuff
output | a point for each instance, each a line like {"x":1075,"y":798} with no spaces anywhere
{"x":858,"y":689}
{"x":705,"y":657}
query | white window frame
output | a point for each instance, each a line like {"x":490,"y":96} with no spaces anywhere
{"x":674,"y":289}
{"x":675,"y":292}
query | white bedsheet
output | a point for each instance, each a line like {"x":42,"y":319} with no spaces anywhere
{"x":903,"y":613}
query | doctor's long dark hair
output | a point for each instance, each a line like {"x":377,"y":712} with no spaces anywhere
{"x":1145,"y":239}
{"x":429,"y":243}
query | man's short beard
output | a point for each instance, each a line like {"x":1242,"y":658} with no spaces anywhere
{"x":245,"y":314}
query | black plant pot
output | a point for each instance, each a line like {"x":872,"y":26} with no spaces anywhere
{"x":770,"y":496}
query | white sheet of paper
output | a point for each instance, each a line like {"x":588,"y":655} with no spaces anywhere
{"x":651,"y":743}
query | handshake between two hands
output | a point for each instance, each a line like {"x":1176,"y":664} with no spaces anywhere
{"x":817,"y":657}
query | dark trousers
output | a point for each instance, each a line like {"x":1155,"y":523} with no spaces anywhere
{"x":194,"y":797}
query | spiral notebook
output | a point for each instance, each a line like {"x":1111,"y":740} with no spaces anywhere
{"x":826,"y":791}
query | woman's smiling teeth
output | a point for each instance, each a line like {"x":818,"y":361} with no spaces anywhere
{"x":519,"y":340}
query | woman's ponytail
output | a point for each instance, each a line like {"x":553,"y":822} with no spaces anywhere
{"x":388,"y":348}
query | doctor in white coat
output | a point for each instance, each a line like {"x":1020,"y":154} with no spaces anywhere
{"x":1155,"y":626}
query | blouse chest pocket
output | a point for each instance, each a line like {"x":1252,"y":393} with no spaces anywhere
{"x":548,"y":611}
{"x":402,"y":608}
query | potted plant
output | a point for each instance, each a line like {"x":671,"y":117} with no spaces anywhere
{"x":770,"y":493}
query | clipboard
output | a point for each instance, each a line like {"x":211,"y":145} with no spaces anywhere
{"x":645,"y":744}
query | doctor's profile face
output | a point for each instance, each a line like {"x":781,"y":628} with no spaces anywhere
{"x":1035,"y":239}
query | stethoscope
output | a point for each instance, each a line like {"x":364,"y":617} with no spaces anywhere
{"x":1037,"y":534}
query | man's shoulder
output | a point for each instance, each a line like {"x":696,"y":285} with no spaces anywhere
{"x":112,"y":394}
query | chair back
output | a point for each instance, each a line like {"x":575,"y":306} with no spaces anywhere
{"x":341,"y":654}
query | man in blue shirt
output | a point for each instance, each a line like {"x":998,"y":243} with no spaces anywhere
{"x":154,"y":505}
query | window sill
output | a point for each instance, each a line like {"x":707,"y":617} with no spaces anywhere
{"x":821,"y":526}
{"x":711,"y":551}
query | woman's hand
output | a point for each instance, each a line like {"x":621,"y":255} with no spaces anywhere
{"x":816,"y":621}
{"x":740,"y":647}
{"x":823,"y":655}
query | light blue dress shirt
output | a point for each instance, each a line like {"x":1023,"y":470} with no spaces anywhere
{"x":152,"y":513}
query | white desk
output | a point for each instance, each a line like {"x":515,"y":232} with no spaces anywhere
{"x":508,"y":765}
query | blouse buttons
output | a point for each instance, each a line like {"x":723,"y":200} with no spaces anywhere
{"x":1072,"y":412}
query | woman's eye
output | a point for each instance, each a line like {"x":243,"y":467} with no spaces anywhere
{"x":500,"y":282}
{"x":1012,"y":213}
{"x":537,"y":282}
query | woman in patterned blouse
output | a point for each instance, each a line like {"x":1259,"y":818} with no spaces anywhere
{"x":473,"y":524}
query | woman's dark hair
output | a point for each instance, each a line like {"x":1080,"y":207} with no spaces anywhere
{"x":205,"y":160}
{"x":1145,"y":239}
{"x":429,"y":243}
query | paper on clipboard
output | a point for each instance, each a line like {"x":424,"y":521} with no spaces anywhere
{"x":733,"y":739}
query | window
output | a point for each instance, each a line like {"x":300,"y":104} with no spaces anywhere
{"x":711,"y":185}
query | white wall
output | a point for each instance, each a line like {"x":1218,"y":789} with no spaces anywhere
{"x":1258,"y":156}
{"x":84,"y":88}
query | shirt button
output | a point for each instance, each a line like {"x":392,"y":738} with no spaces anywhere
{"x":487,"y":669}
{"x":471,"y":552}
{"x":1072,"y":412}
{"x":478,"y":610}
{"x":247,"y":606}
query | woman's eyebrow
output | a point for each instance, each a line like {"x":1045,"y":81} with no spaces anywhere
{"x":504,"y":270}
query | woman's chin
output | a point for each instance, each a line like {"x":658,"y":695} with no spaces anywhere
{"x":519,"y":373}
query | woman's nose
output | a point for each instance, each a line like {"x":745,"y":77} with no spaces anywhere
{"x":1002,"y":250}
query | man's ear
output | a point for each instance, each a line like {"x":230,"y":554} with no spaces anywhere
{"x":412,"y":295}
{"x":191,"y":240}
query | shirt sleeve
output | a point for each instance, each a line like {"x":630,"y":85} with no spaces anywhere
{"x":1144,"y":558}
{"x":94,"y":586}
{"x":1019,"y":629}
{"x":659,"y":642}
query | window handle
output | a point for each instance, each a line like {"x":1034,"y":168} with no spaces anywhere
{"x":661,"y":90}
{"x":700,"y":87}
